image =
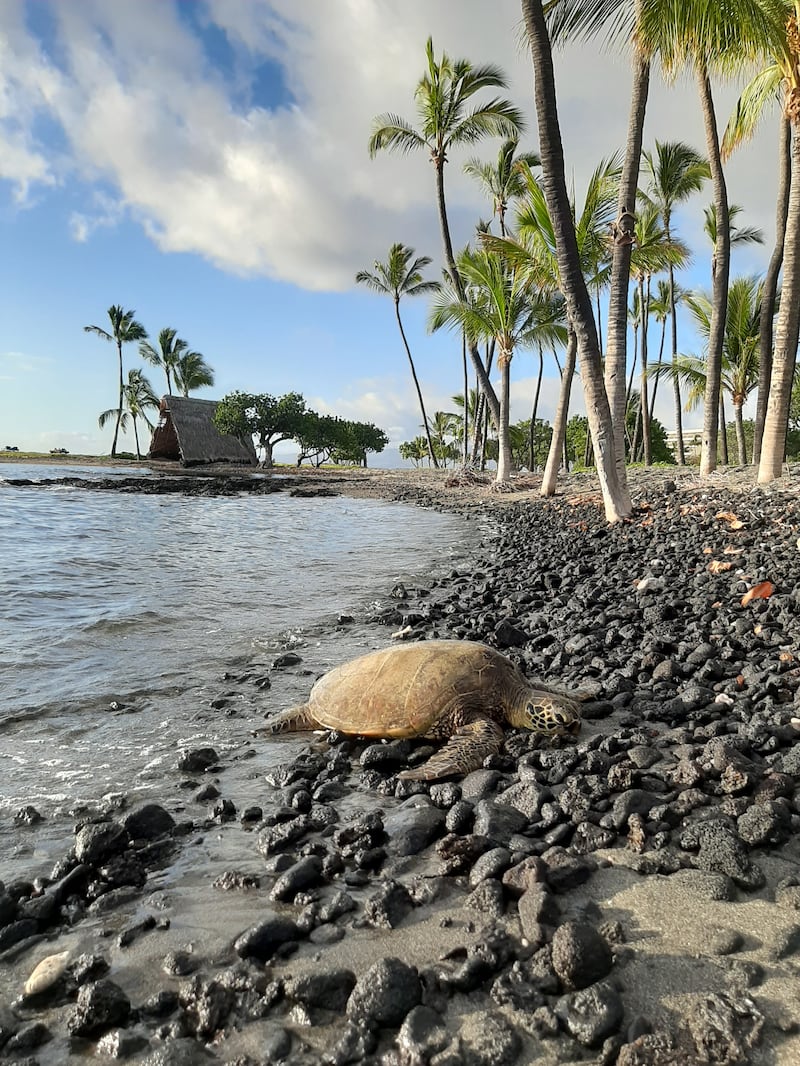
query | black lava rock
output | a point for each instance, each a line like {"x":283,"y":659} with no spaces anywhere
{"x":385,"y":994}
{"x":100,"y":1006}
{"x":580,"y":955}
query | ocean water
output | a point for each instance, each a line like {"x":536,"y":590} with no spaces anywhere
{"x":135,"y":625}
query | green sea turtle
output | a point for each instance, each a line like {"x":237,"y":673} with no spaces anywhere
{"x":454,"y":690}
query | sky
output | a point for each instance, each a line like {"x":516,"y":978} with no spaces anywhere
{"x":204,"y":163}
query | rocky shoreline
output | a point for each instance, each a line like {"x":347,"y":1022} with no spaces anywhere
{"x":629,"y":899}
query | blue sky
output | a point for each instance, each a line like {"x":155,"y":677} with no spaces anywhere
{"x":204,"y":163}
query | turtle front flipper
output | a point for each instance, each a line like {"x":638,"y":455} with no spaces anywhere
{"x":294,"y":720}
{"x":465,"y":751}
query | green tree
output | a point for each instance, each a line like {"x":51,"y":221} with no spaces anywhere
{"x":318,"y":437}
{"x":675,"y":172}
{"x":170,"y":347}
{"x":124,"y":330}
{"x":356,"y":440}
{"x":497,"y":304}
{"x":502,"y":180}
{"x":192,"y":372}
{"x":416,"y":450}
{"x":138,"y":398}
{"x":399,"y":277}
{"x":449,"y":117}
{"x":269,"y":419}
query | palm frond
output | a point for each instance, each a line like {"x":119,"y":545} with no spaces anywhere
{"x":393,"y":132}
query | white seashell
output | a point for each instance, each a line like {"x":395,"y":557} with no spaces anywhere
{"x":46,"y":973}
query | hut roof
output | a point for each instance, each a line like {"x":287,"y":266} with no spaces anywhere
{"x":186,"y":431}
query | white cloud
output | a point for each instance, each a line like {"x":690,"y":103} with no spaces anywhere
{"x":289,"y":192}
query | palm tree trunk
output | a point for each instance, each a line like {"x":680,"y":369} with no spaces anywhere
{"x":534,"y":412}
{"x":119,"y":405}
{"x":559,"y":436}
{"x":617,"y":325}
{"x":481,"y":416}
{"x":657,"y":377}
{"x":136,"y":437}
{"x":741,"y":444}
{"x":503,"y":442}
{"x":483,"y":378}
{"x":786,"y":335}
{"x":644,"y":404}
{"x":676,"y":385}
{"x":465,"y":427}
{"x":720,"y":270}
{"x":771,"y":285}
{"x":633,"y":365}
{"x":610,"y":468}
{"x":416,"y":383}
{"x":723,"y":431}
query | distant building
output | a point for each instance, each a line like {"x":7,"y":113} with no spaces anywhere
{"x":692,"y":443}
{"x":186,"y":433}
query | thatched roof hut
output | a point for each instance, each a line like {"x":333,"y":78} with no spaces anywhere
{"x":186,"y":431}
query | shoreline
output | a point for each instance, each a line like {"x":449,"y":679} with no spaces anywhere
{"x":498,"y":893}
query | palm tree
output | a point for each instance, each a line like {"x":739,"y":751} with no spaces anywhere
{"x":170,"y":347}
{"x":138,"y":397}
{"x":574,"y":19}
{"x":613,"y":481}
{"x":498,"y":304}
{"x":502,"y":181}
{"x":536,"y":250}
{"x":661,"y":304}
{"x":704,"y":36}
{"x":448,"y":118}
{"x":778,"y":77}
{"x":676,"y":171}
{"x":738,"y":234}
{"x":398,"y":277}
{"x":192,"y":372}
{"x":653,"y":252}
{"x":124,"y":330}
{"x":740,"y":351}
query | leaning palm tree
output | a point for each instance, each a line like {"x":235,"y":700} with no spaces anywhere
{"x":611,"y":474}
{"x":448,"y":118}
{"x":124,"y":330}
{"x":138,"y":398}
{"x":170,"y":347}
{"x":192,"y":372}
{"x":675,"y":172}
{"x":502,"y":180}
{"x":399,"y":277}
{"x":498,"y":304}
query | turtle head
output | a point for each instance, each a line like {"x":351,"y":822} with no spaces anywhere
{"x":551,"y":715}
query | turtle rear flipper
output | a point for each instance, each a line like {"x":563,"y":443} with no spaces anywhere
{"x":294,"y":720}
{"x":465,"y":751}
